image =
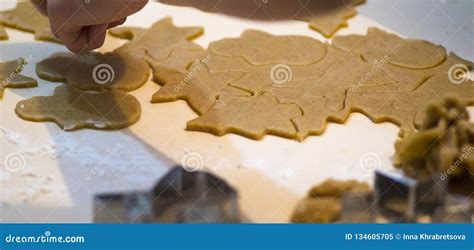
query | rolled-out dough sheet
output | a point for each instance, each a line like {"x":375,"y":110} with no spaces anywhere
{"x":260,"y":84}
{"x":3,"y":33}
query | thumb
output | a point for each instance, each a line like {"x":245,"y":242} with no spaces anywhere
{"x":96,"y":36}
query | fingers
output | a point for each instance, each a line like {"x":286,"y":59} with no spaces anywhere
{"x":82,"y":25}
{"x":96,"y":36}
{"x":41,"y":5}
{"x":117,"y":23}
{"x":105,"y":11}
{"x":74,"y":40}
{"x":88,"y":38}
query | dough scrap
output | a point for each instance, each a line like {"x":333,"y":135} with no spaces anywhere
{"x":73,"y":109}
{"x":324,"y":202}
{"x":27,"y":18}
{"x":166,"y":48}
{"x":324,"y":211}
{"x":333,"y":15}
{"x":95,"y":71}
{"x":10,"y":76}
{"x":335,"y":188}
{"x":329,"y":88}
{"x":444,"y":144}
{"x":3,"y":33}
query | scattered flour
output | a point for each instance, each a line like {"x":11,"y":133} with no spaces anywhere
{"x":10,"y":137}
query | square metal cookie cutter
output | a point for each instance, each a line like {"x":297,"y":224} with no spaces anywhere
{"x":402,"y":199}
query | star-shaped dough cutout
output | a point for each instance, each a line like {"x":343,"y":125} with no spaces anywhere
{"x":27,"y":18}
{"x":331,"y":16}
{"x":10,"y":76}
{"x":167,"y":48}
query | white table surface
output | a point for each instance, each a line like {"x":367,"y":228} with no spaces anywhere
{"x":63,"y":170}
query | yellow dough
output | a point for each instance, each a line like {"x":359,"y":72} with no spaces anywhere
{"x":231,"y":85}
{"x":400,"y":104}
{"x":10,"y":76}
{"x":167,"y":48}
{"x":27,"y":18}
{"x":3,"y":33}
{"x":199,"y":88}
{"x":93,"y":97}
{"x":444,"y":144}
{"x":73,"y":109}
{"x":324,"y":210}
{"x":406,"y":53}
{"x":95,"y":71}
{"x":332,"y":15}
{"x":260,"y":48}
{"x":334,"y":188}
{"x":249,"y":116}
{"x":323,"y":204}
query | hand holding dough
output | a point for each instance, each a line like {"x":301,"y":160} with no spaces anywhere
{"x":82,"y":25}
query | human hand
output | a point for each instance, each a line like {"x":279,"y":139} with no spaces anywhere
{"x":82,"y":24}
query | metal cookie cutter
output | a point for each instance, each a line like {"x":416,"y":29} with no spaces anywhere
{"x":357,"y":208}
{"x":179,"y":197}
{"x":399,"y":198}
{"x":404,"y":199}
